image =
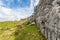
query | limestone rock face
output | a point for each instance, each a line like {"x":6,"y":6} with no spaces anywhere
{"x":47,"y":16}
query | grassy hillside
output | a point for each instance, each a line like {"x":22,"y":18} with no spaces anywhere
{"x":7,"y":30}
{"x":19,"y":31}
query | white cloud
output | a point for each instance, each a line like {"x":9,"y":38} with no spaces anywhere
{"x":36,"y":2}
{"x":7,"y":14}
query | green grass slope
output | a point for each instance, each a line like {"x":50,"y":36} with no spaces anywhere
{"x":18,"y":31}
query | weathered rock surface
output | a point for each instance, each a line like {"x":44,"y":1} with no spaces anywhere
{"x":47,"y":17}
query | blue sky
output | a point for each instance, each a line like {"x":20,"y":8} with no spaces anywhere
{"x":17,"y":3}
{"x":11,"y":10}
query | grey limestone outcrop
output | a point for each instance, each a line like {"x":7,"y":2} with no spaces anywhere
{"x":47,"y":17}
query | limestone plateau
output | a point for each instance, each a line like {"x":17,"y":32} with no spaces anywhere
{"x":47,"y":17}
